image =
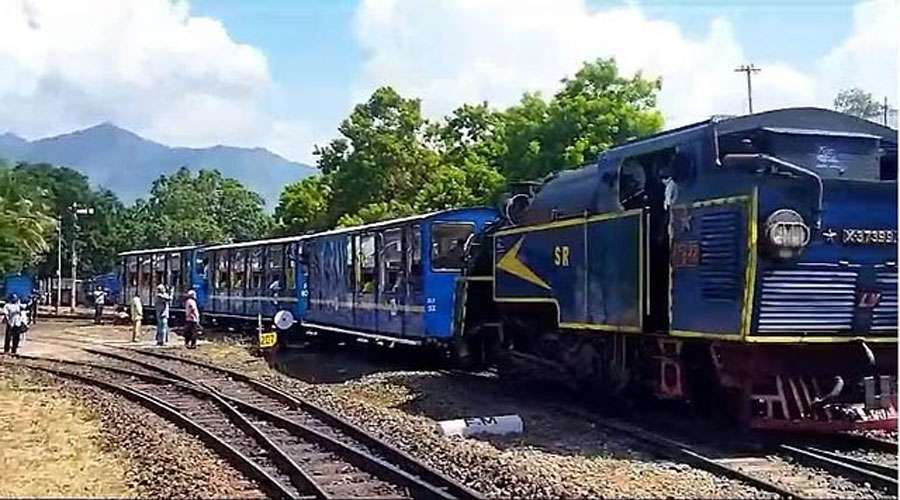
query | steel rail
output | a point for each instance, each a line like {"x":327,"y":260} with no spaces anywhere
{"x":397,"y":464}
{"x":297,"y":474}
{"x":854,"y":469}
{"x":269,"y":484}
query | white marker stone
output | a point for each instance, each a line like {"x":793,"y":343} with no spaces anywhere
{"x":504,"y":424}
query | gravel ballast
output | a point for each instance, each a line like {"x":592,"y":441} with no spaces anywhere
{"x":163,"y":460}
{"x":556,"y":456}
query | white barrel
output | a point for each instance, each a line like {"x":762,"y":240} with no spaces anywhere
{"x":504,"y":424}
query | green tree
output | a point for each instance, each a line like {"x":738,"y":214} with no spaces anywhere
{"x":593,"y":111}
{"x":184,"y":209}
{"x":25,"y":222}
{"x":303,"y":205}
{"x":381,"y":155}
{"x":390,"y":161}
{"x":95,"y":235}
{"x":858,"y":102}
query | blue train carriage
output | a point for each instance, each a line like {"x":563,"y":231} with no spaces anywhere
{"x":393,"y":282}
{"x":239,"y":282}
{"x":748,"y":260}
{"x":142,"y":271}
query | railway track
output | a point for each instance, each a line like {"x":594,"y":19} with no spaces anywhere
{"x":793,"y":470}
{"x":337,"y":459}
{"x":787,"y":469}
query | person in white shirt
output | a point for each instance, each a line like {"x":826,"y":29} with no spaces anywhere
{"x":99,"y":302}
{"x":14,"y":315}
{"x":137,"y":316}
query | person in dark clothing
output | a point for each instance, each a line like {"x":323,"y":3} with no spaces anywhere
{"x":14,"y":315}
{"x":33,"y":306}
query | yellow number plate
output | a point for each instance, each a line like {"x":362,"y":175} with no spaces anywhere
{"x":268,"y":339}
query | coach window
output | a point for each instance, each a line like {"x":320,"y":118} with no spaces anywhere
{"x":414,"y":257}
{"x":448,"y":245}
{"x":146,"y":273}
{"x":131,"y":274}
{"x":290,"y":266}
{"x":366,"y":247}
{"x":391,"y":260}
{"x":274,"y":268}
{"x":238,"y":270}
{"x":256,"y":268}
{"x":175,"y":273}
{"x":159,"y":266}
{"x":222,"y":282}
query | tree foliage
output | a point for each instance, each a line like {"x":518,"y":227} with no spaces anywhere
{"x":95,"y":236}
{"x":26,"y":224}
{"x":389,"y":161}
{"x":185,"y":209}
{"x":858,"y":102}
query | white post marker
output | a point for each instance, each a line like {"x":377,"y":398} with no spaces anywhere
{"x":504,"y":424}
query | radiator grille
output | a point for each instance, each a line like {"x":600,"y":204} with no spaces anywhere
{"x":799,"y":300}
{"x":719,"y":256}
{"x":884,"y":315}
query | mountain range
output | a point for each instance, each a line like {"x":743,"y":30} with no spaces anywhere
{"x":127,"y":164}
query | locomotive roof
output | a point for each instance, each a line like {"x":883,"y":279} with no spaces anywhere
{"x":158,"y":250}
{"x":806,"y":120}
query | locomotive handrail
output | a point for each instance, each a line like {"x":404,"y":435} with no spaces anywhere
{"x":790,"y":166}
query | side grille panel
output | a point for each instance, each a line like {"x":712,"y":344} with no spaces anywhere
{"x":884,"y":315}
{"x":719,"y":256}
{"x":808,"y":300}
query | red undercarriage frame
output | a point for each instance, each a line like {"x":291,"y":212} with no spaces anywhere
{"x":814,"y":387}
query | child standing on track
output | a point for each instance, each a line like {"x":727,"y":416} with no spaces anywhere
{"x":191,"y":320}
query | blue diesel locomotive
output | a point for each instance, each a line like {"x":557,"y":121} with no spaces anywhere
{"x":748,"y":260}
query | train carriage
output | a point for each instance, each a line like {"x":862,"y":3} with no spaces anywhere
{"x":749,"y":259}
{"x":241,"y":282}
{"x":142,"y":271}
{"x":393,"y":281}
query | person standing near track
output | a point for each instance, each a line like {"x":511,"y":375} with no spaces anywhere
{"x":163,"y":299}
{"x":99,"y":302}
{"x":191,"y":320}
{"x":14,"y":315}
{"x":34,"y":299}
{"x":137,"y":316}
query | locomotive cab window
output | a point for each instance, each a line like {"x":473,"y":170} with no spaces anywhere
{"x":632,"y":184}
{"x":448,"y":245}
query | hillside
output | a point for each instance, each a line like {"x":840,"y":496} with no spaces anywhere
{"x":127,"y":164}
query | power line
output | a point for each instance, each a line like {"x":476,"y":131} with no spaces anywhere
{"x":749,"y":70}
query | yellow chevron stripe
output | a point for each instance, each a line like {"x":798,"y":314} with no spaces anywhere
{"x":510,"y":263}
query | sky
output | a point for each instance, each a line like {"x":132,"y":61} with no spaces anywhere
{"x":282,"y":74}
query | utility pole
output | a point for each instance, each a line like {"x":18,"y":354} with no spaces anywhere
{"x":76,"y":211}
{"x":749,"y":70}
{"x":58,"y":264}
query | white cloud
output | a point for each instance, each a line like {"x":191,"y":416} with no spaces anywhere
{"x":448,"y":52}
{"x":147,"y":65}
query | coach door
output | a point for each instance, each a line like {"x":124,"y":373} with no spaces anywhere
{"x":391,"y":282}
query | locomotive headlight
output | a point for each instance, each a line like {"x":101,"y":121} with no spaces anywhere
{"x":787,"y":233}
